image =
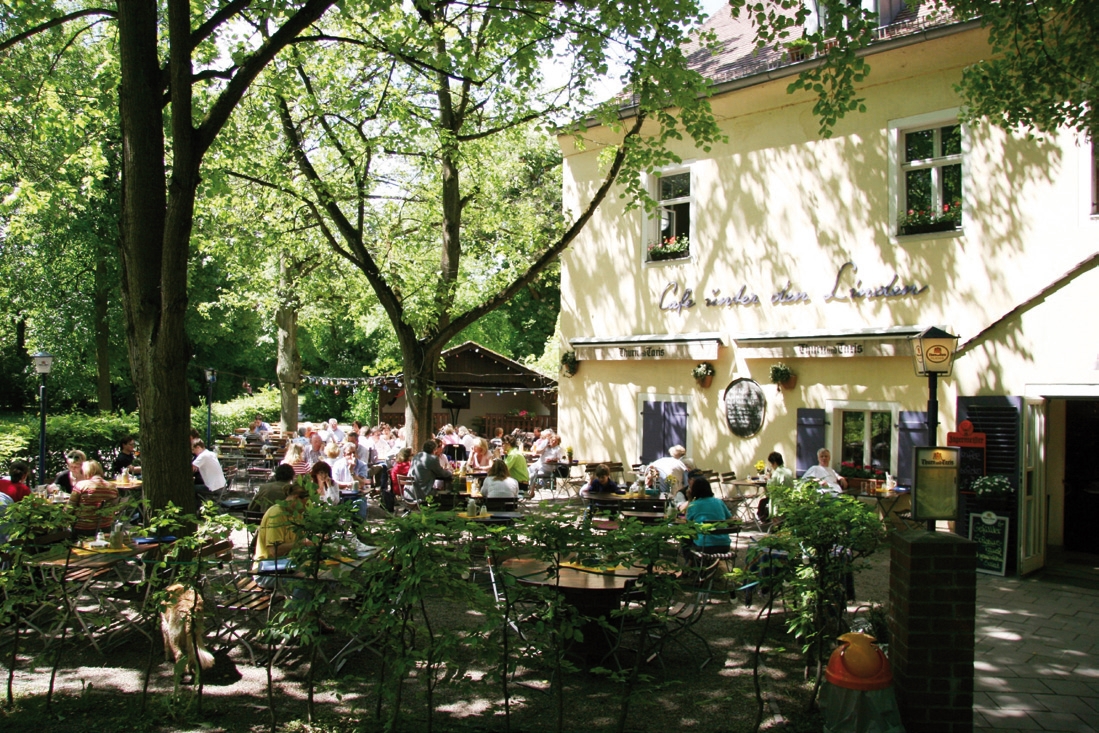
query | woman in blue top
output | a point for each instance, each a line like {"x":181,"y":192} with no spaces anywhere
{"x":704,"y":507}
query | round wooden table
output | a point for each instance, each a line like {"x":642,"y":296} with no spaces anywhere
{"x":591,"y":592}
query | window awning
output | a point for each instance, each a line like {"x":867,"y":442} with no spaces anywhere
{"x":649,"y":347}
{"x":823,"y":343}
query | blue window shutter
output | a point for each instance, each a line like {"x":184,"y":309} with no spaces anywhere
{"x":911,"y":432}
{"x":810,"y":437}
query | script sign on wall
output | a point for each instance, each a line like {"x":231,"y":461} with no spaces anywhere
{"x":745,"y":406}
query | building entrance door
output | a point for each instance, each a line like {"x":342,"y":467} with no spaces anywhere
{"x":1081,"y":475}
{"x":663,"y":424}
{"x":1032,"y":501}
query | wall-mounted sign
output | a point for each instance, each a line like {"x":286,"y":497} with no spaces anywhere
{"x":745,"y":406}
{"x":971,"y":446}
{"x":648,"y":351}
{"x":935,"y":490}
{"x":846,"y":287}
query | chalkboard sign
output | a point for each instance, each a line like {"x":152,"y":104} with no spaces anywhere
{"x":744,"y":407}
{"x":971,"y":467}
{"x":989,"y":531}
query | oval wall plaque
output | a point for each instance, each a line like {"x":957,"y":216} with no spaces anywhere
{"x":745,"y":406}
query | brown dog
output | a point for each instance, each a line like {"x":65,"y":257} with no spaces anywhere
{"x":184,"y":609}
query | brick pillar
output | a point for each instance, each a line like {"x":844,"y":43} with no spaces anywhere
{"x":933,"y":599}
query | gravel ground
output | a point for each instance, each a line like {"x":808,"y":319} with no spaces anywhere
{"x":102,"y":693}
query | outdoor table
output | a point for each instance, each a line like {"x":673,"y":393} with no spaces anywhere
{"x":85,"y":572}
{"x":643,"y":516}
{"x":889,"y":505}
{"x":493,"y":517}
{"x":593,"y":591}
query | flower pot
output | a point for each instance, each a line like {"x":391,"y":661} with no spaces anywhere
{"x":939,"y":226}
{"x":789,"y":383}
{"x":658,"y":255}
{"x":706,"y":381}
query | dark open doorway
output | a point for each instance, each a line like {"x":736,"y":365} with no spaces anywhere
{"x":1081,"y":475}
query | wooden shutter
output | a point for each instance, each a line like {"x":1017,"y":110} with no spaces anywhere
{"x":911,"y":432}
{"x":810,"y":436}
{"x":663,"y":424}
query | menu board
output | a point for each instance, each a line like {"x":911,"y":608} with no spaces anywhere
{"x":935,"y":490}
{"x":989,"y":531}
{"x":971,"y":466}
{"x":745,"y":406}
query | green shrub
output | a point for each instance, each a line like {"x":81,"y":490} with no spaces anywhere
{"x":97,"y":435}
{"x":237,"y":413}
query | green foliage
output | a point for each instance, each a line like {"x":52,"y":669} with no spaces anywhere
{"x":237,"y":413}
{"x":97,"y":435}
{"x":1042,"y":72}
{"x":828,"y":533}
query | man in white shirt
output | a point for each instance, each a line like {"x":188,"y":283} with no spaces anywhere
{"x":672,"y":465}
{"x":210,"y":477}
{"x":315,"y":451}
{"x":335,"y":435}
{"x":830,"y":481}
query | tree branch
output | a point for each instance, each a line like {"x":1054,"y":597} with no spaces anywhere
{"x":31,"y":32}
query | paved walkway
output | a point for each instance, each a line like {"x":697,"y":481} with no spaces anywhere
{"x":1037,"y":655}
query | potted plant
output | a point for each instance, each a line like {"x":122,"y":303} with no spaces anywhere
{"x":704,"y":373}
{"x":924,"y":221}
{"x":669,"y":248}
{"x":569,"y":363}
{"x":799,"y":49}
{"x":783,"y":376}
{"x":994,"y":492}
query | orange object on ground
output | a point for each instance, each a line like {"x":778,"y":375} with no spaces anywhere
{"x":858,"y":665}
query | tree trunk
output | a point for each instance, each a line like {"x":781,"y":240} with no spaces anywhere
{"x":288,"y":368}
{"x":154,"y":241}
{"x":102,"y":334}
{"x":419,"y":383}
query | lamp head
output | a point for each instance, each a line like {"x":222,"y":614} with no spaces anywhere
{"x":211,"y":375}
{"x":43,"y":362}
{"x":934,"y":351}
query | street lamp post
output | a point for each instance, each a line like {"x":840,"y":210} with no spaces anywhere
{"x":42,"y":364}
{"x":934,"y":357}
{"x":211,"y":377}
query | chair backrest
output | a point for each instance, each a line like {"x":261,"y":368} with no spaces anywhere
{"x":501,"y":503}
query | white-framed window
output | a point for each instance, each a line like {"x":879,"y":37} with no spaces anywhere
{"x":927,"y":173}
{"x":864,"y":434}
{"x":672,"y":223}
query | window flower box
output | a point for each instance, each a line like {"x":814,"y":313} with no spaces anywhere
{"x":941,"y":226}
{"x":670,"y":248}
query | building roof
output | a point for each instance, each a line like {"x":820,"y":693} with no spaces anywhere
{"x":739,"y":57}
{"x":472,"y":366}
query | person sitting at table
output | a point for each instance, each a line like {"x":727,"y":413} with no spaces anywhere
{"x":402,"y":463}
{"x":602,"y":483}
{"x":327,"y":488}
{"x":539,"y":440}
{"x":780,"y":476}
{"x":91,"y":500}
{"x":545,"y":468}
{"x":277,"y":534}
{"x":15,"y":486}
{"x":497,"y":438}
{"x":258,"y":426}
{"x":348,"y":471}
{"x":499,"y":483}
{"x":72,"y":475}
{"x":479,"y":458}
{"x":274,"y":490}
{"x":125,"y":458}
{"x":670,"y":466}
{"x":315,"y":451}
{"x":825,"y":475}
{"x":208,"y":474}
{"x":295,"y":458}
{"x":705,"y":508}
{"x":425,"y":470}
{"x":516,"y":463}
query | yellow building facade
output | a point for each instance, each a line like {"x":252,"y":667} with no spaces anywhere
{"x":796,"y":254}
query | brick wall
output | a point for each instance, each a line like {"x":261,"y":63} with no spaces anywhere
{"x":932,"y":597}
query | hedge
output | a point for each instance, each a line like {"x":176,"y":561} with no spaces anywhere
{"x":99,"y":435}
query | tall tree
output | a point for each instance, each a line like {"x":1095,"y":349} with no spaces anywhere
{"x":410,"y":171}
{"x":162,"y":156}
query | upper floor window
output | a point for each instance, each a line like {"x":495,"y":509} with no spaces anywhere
{"x":671,"y":240}
{"x":926,"y":160}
